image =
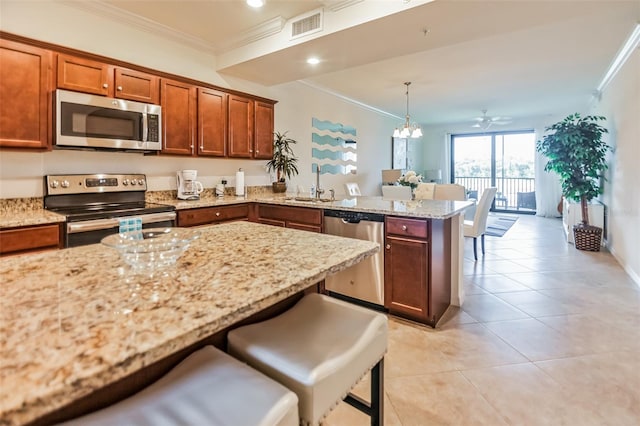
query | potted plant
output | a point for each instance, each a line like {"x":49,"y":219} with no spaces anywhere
{"x":577,"y":153}
{"x":284,"y":162}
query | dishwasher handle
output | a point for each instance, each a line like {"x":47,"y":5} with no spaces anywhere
{"x":354,"y":217}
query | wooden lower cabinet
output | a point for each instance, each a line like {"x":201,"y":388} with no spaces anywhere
{"x":306,"y":219}
{"x":417,"y":268}
{"x":30,"y":239}
{"x":210,"y":215}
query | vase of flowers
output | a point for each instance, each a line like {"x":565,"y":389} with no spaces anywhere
{"x":412,"y":179}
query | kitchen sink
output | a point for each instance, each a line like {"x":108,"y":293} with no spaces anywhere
{"x":309,"y":199}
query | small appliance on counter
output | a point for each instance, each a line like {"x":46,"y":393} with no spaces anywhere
{"x":188,"y":187}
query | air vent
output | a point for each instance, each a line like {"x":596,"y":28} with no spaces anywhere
{"x":306,"y":24}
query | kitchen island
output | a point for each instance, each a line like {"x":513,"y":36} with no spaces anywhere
{"x":76,"y":320}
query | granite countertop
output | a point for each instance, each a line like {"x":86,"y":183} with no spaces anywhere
{"x":26,"y":212}
{"x":75,"y":320}
{"x":431,"y":209}
{"x":16,"y":214}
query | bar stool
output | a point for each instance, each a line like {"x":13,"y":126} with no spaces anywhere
{"x":208,"y":388}
{"x":319,"y":349}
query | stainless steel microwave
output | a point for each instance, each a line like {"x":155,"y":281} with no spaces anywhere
{"x":98,"y":122}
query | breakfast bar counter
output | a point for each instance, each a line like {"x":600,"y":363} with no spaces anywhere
{"x":76,"y":320}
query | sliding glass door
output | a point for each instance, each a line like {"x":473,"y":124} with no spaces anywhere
{"x":502,"y":159}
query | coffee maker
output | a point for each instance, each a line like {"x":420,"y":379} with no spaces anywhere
{"x":188,"y":187}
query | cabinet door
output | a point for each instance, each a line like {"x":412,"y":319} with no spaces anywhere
{"x":263,"y":135}
{"x":25,"y":87}
{"x":406,"y":277}
{"x":83,"y":75}
{"x":136,"y":86}
{"x":240,"y":126}
{"x":32,"y":238}
{"x":212,"y":123}
{"x":178,"y":101}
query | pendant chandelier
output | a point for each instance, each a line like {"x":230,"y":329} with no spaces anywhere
{"x":408,"y":130}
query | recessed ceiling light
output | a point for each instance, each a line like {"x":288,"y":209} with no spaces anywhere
{"x":313,"y":61}
{"x":255,"y":3}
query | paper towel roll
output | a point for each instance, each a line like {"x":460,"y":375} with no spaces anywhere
{"x":240,"y":182}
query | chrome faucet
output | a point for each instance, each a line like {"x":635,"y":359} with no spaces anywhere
{"x":319,"y":191}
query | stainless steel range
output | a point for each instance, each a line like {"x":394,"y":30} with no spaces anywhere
{"x":96,"y":205}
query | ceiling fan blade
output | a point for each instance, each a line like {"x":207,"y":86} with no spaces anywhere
{"x":476,"y":125}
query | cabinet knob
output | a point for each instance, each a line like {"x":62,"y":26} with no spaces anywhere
{"x":119,"y":88}
{"x":105,"y":85}
{"x":388,"y":247}
{"x":250,"y":150}
{"x":201,"y":147}
{"x":257,"y":151}
{"x":217,"y":213}
{"x":404,"y":227}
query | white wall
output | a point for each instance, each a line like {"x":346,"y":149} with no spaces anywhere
{"x":621,"y":106}
{"x":21,"y":172}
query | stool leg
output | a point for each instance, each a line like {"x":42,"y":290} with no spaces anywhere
{"x":377,"y":394}
{"x":375,"y":408}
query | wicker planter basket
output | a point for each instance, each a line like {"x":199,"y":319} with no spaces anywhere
{"x":587,"y":237}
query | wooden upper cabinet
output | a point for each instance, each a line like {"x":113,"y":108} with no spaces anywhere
{"x":136,"y":86}
{"x":263,"y":134}
{"x":26,"y":81}
{"x":83,"y":75}
{"x":212,"y":123}
{"x":98,"y":78}
{"x":178,"y":101}
{"x":241,"y":119}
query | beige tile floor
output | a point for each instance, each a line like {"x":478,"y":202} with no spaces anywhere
{"x":547,"y":335}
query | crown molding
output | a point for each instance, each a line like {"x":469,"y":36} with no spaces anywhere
{"x":264,"y":30}
{"x":348,"y":99}
{"x":336,"y":5}
{"x":105,"y":10}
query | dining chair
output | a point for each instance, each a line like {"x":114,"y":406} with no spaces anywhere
{"x":396,"y":192}
{"x":449,"y":191}
{"x":352,"y":189}
{"x":478,"y":226}
{"x":425,"y":191}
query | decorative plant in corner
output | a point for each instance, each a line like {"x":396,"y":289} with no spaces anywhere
{"x":284,"y":162}
{"x":577,"y":153}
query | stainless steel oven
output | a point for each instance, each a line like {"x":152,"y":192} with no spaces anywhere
{"x":97,"y":205}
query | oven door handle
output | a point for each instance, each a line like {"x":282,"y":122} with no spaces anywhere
{"x":97,"y":224}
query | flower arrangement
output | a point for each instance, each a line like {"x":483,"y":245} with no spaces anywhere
{"x":410,"y":179}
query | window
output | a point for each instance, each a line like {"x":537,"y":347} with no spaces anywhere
{"x":505,"y":160}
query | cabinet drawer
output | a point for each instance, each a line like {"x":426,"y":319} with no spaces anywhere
{"x":299,"y":215}
{"x":31,"y":238}
{"x":407,"y":227}
{"x":207,"y":215}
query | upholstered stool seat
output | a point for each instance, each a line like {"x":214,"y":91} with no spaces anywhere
{"x":208,"y":388}
{"x":320,"y":349}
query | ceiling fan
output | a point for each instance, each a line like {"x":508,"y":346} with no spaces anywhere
{"x":486,"y":121}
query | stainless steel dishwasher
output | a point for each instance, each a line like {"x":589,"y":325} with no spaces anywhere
{"x":365,"y":280}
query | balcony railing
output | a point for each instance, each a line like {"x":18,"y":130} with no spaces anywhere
{"x":513,"y":193}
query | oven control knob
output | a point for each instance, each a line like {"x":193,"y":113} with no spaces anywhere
{"x":125,"y":182}
{"x":65,"y":184}
{"x":54,"y":184}
{"x":133,"y":182}
{"x":140,"y":181}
